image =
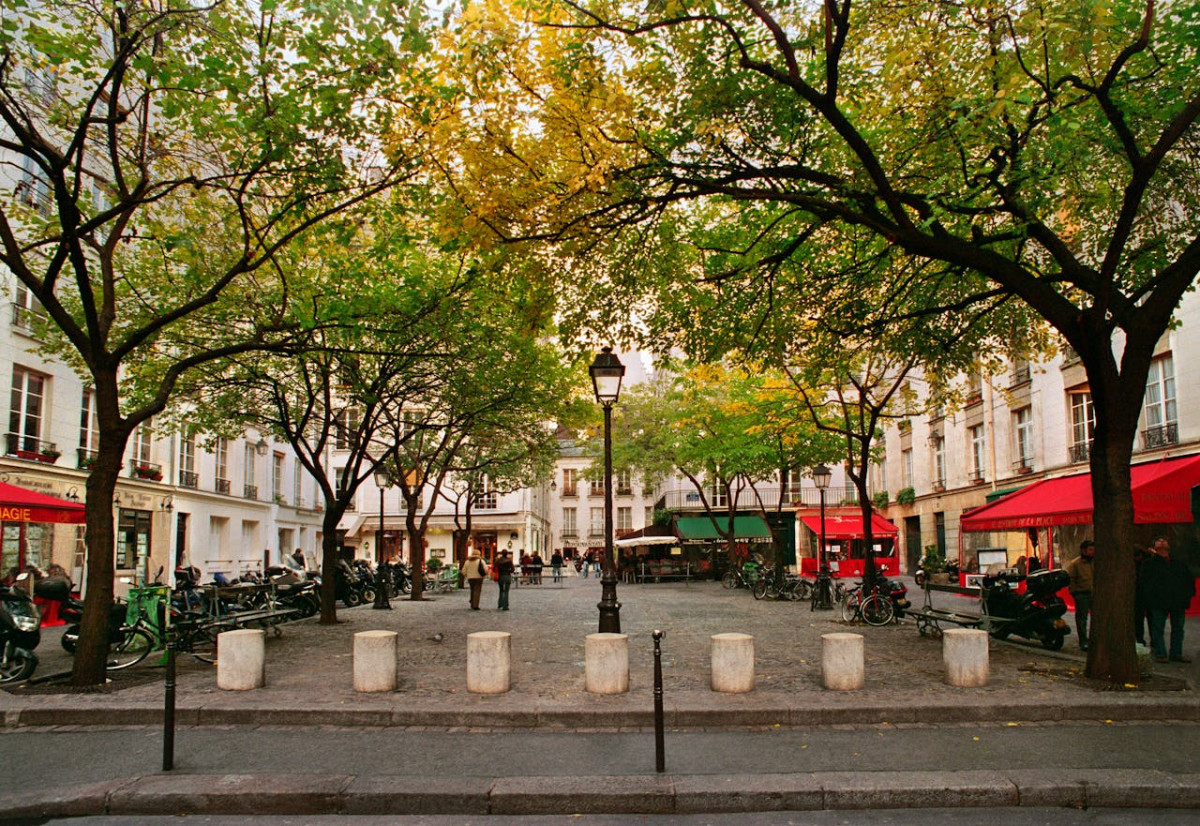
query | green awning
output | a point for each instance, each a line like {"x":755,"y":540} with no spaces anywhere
{"x":701,"y":527}
{"x":996,"y":494}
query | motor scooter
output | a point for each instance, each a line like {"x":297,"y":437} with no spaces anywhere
{"x":20,"y":633}
{"x":1036,"y":614}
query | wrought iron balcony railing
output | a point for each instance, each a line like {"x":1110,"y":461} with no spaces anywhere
{"x":222,"y":486}
{"x":1161,"y":436}
{"x":189,"y":479}
{"x":30,"y":447}
{"x":1080,"y":452}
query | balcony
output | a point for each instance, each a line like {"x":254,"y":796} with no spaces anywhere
{"x":685,"y":499}
{"x":569,"y":535}
{"x":1080,"y":452}
{"x":1023,"y":466}
{"x":249,"y":491}
{"x":1161,"y":436}
{"x":222,"y":486}
{"x":189,"y":479}
{"x":146,"y":470}
{"x":32,"y":449}
{"x":26,"y":319}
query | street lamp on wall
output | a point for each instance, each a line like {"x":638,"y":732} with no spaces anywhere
{"x":383,"y":482}
{"x":607,"y":373}
{"x":823,"y":598}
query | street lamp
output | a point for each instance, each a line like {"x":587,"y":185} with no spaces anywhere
{"x":382,"y":481}
{"x":607,"y":372}
{"x":823,"y":598}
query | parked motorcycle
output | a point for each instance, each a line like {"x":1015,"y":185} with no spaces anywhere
{"x":293,"y":589}
{"x":897,"y":591}
{"x":1036,"y":614}
{"x":20,"y":633}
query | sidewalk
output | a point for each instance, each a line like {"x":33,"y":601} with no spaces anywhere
{"x":309,"y":683}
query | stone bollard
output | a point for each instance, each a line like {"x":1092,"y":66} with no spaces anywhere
{"x":965,"y":653}
{"x":842,"y":661}
{"x":489,"y":662}
{"x":733,"y":663}
{"x":241,"y":659}
{"x":375,"y":661}
{"x":606,"y":659}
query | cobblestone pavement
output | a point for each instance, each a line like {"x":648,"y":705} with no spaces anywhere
{"x":309,"y":668}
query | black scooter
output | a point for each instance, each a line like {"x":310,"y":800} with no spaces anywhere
{"x":1036,"y":614}
{"x":20,"y":633}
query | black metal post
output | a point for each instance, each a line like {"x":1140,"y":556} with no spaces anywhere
{"x":169,"y":708}
{"x":660,"y":756}
{"x":823,"y":598}
{"x":610,"y":609}
{"x":381,"y":579}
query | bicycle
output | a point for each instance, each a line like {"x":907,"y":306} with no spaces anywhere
{"x":874,"y":608}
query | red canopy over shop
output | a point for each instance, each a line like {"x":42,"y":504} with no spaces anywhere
{"x":22,"y":505}
{"x":1162,"y":494}
{"x":847,"y":526}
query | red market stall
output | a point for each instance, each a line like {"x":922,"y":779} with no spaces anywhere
{"x":844,"y":537}
{"x":19,"y":509}
{"x":1162,"y":495}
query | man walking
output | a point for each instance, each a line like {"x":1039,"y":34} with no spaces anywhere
{"x":1167,"y":587}
{"x":474,"y":570}
{"x":1081,"y":571}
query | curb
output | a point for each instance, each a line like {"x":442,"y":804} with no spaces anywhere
{"x":311,"y":794}
{"x":557,"y":717}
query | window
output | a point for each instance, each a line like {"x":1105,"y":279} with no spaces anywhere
{"x":277,"y":477}
{"x":718,"y":496}
{"x":570,"y":526}
{"x":596,"y":527}
{"x":222,"y":461}
{"x":26,"y":412}
{"x":596,"y":488}
{"x":1083,"y":426}
{"x":297,"y":498}
{"x":906,"y":464}
{"x":939,"y":461}
{"x":133,"y":538}
{"x":345,"y":424}
{"x":89,"y":424}
{"x":974,"y":388}
{"x":143,"y":440}
{"x":33,"y":190}
{"x":624,"y":520}
{"x":1023,"y":436}
{"x":978,"y":444}
{"x":250,"y":490}
{"x":570,"y":481}
{"x":1160,"y":412}
{"x":188,"y":477}
{"x":26,"y":309}
{"x":649,"y":517}
{"x":1021,"y":371}
{"x":624,"y":483}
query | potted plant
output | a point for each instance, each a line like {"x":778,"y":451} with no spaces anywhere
{"x":906,"y":496}
{"x":49,"y":456}
{"x":934,"y":566}
{"x":148,"y":472}
{"x":880,"y":499}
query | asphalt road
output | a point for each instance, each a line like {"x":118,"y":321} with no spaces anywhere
{"x":89,"y":755}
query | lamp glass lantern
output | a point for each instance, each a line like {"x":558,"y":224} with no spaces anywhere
{"x":821,"y":477}
{"x":607,"y":373}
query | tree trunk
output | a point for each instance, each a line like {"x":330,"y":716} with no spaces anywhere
{"x":416,"y":549}
{"x":1111,"y":653}
{"x":91,"y":652}
{"x":329,"y":560}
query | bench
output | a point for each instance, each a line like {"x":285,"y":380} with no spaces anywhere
{"x":929,"y":619}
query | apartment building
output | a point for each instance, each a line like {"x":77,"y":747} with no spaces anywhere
{"x":1032,"y":421}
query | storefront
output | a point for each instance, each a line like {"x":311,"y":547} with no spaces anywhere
{"x":28,"y":518}
{"x":1048,"y":519}
{"x":845,"y":542}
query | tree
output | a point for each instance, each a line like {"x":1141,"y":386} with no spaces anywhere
{"x":1043,"y":151}
{"x":169,"y":155}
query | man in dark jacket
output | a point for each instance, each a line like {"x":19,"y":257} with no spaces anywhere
{"x":1166,"y":586}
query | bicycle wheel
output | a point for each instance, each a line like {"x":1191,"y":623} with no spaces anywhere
{"x":877,"y":610}
{"x":759,"y":589}
{"x":803,"y":590}
{"x":131,"y":650}
{"x":202,"y":644}
{"x":850,"y":607}
{"x":730,"y":580}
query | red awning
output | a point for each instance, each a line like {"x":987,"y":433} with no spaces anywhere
{"x":1162,"y":493}
{"x":22,"y":505}
{"x":844,"y":526}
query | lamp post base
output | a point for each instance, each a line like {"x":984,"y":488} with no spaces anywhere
{"x":823,"y":594}
{"x":610,"y":609}
{"x":382,"y":603}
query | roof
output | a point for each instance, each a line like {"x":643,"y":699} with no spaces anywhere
{"x":1162,"y":493}
{"x":849,"y":526}
{"x":701,"y":527}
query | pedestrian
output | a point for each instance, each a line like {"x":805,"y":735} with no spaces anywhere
{"x":1167,"y":587}
{"x":1082,"y":574}
{"x":587,"y":563}
{"x":556,"y":564}
{"x":504,"y":573}
{"x":595,"y":562}
{"x":475,"y":570}
{"x":1139,"y":608}
{"x":536,"y":564}
{"x":298,"y":560}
